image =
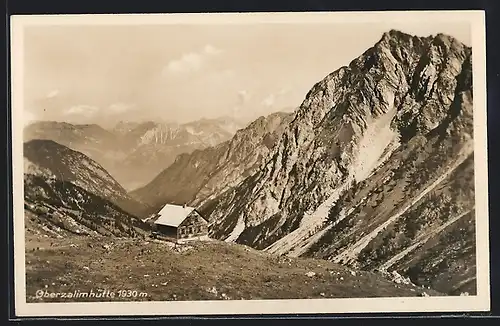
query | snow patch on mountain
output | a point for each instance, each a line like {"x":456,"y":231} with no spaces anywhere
{"x":295,"y":243}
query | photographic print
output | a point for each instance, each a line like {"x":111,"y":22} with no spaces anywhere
{"x":250,"y":163}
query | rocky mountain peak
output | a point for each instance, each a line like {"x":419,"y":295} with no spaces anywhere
{"x":390,"y":100}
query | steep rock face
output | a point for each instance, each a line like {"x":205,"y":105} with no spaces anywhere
{"x":196,"y":177}
{"x":50,"y":160}
{"x":243,"y":155}
{"x":416,"y":213}
{"x":404,"y":96}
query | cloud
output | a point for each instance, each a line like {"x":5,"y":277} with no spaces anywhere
{"x":269,"y":100}
{"x":243,"y":96}
{"x":272,"y":98}
{"x":52,"y":93}
{"x":188,"y":62}
{"x":82,"y":110}
{"x":283,"y":91}
{"x":116,"y":108}
{"x":191,"y":61}
{"x":211,"y":50}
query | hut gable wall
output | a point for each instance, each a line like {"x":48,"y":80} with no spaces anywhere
{"x":193,"y":226}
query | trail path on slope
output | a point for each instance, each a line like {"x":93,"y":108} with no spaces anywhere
{"x":350,"y":254}
{"x":423,"y":238}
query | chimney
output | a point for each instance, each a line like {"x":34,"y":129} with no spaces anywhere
{"x":184,"y":206}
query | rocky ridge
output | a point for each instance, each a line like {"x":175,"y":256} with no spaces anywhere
{"x":197,"y":177}
{"x":49,"y":160}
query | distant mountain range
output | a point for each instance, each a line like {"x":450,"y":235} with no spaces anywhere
{"x":134,"y":153}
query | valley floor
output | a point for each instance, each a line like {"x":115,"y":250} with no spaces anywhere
{"x":160,"y":271}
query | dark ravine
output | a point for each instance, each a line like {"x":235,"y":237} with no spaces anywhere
{"x":372,"y":146}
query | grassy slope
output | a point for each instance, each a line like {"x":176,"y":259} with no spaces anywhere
{"x":196,"y":271}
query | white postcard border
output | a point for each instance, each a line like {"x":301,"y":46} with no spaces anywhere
{"x":480,"y":302}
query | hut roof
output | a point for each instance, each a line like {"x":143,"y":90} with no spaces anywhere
{"x":173,"y":215}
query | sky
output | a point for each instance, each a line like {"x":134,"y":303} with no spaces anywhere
{"x":106,"y":74}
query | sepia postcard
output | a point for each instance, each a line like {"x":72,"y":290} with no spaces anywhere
{"x":249,"y":163}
